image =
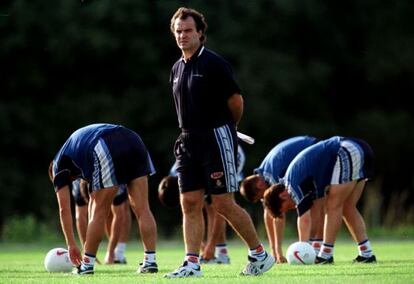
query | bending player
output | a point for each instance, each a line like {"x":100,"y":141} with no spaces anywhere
{"x":341,"y":166}
{"x":107,"y":156}
{"x":270,"y":172}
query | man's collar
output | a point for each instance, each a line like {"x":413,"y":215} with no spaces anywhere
{"x":196,"y":54}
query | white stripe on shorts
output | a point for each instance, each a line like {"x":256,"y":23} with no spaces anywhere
{"x":104,"y":172}
{"x":349,"y":163}
{"x":225,"y":142}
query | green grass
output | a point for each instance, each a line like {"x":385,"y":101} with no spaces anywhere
{"x":24,"y":264}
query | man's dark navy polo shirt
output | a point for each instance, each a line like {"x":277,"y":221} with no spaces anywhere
{"x":201,"y":88}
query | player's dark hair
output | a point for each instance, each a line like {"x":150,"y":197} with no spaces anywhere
{"x":272,"y":200}
{"x":248,"y":188}
{"x":168,"y":192}
{"x":183,"y":13}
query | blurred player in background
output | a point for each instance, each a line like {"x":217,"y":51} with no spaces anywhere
{"x":106,"y":156}
{"x":117,"y":255}
{"x":270,"y":172}
{"x":341,"y":166}
{"x":118,"y":225}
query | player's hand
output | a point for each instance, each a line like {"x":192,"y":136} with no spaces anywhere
{"x":75,"y":255}
{"x":208,"y":251}
{"x":281,"y":259}
{"x":109,"y":258}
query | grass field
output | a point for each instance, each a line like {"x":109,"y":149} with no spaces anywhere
{"x":24,"y":264}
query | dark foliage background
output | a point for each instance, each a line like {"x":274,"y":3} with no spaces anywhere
{"x":306,"y":67}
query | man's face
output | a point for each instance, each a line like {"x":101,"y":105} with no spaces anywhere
{"x":287,"y":202}
{"x":186,"y":35}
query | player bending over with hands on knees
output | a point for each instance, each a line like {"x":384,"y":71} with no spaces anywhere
{"x":269,"y":173}
{"x":209,"y":107}
{"x":106,"y":156}
{"x":341,"y":166}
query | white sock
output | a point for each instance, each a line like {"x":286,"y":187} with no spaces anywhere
{"x":326,"y":251}
{"x":365,"y":249}
{"x":316,"y":244}
{"x":221,"y":249}
{"x":193,"y":260}
{"x":258,"y":253}
{"x":88,"y":260}
{"x":119,"y":251}
{"x":149,"y":256}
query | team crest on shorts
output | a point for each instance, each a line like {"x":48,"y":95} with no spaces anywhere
{"x":216,"y":175}
{"x":217,"y":179}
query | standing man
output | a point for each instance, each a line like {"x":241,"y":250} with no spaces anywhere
{"x":106,"y":156}
{"x":341,"y":166}
{"x":209,"y":107}
{"x":270,"y":172}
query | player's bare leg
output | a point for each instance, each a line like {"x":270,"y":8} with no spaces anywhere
{"x":259,"y":260}
{"x":138,"y":198}
{"x":115,"y":229}
{"x":356,"y":225}
{"x":99,"y":207}
{"x":237,"y":217}
{"x":123,"y":234}
{"x":351,"y":215}
{"x":317,"y":215}
{"x":335,"y":200}
{"x":100,"y":204}
{"x":193,"y":221}
{"x":82,"y":222}
{"x":334,"y":205}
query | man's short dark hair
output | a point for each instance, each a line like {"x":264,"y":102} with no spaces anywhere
{"x":168,"y":192}
{"x":272,"y":200}
{"x":183,"y":13}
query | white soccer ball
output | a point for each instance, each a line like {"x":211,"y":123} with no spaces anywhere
{"x":57,"y":260}
{"x":300,"y":253}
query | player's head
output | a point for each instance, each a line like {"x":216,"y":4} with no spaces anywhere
{"x":200,"y":23}
{"x":253,"y":187}
{"x":168,"y":192}
{"x":277,"y":200}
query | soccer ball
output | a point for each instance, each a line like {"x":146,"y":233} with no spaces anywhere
{"x":57,"y":260}
{"x":300,"y":253}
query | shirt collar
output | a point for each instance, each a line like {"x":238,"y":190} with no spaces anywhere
{"x":196,"y":54}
